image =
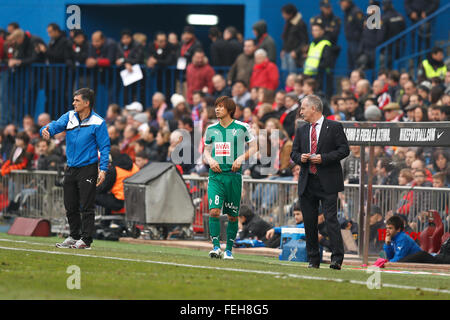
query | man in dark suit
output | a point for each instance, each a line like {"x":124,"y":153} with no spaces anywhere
{"x":319,"y":146}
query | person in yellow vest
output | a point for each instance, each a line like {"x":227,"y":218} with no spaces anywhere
{"x":433,"y":66}
{"x":110,"y":194}
{"x":320,"y":58}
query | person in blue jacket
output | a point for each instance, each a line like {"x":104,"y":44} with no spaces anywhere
{"x":274,"y":234}
{"x":398,"y":245}
{"x":86,"y":137}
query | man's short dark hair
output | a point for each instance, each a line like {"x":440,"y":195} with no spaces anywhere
{"x":54,"y":26}
{"x":290,"y":9}
{"x":352,"y":97}
{"x":252,"y":40}
{"x":242,"y":82}
{"x":86,"y":95}
{"x":142,"y":142}
{"x":15,"y":25}
{"x":199,"y":50}
{"x":143,"y":155}
{"x":397,"y":222}
{"x":187,"y":120}
{"x":47,"y":142}
{"x":394,"y":75}
{"x":437,"y":50}
{"x":24,"y":137}
{"x":214,"y":32}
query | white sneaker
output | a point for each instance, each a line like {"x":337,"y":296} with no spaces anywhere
{"x":228,"y":255}
{"x":80,"y":245}
{"x":67,"y":243}
{"x":215,"y":253}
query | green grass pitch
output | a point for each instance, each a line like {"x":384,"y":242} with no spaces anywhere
{"x":33,"y":268}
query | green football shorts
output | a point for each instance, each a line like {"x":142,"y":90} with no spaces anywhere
{"x":224,"y":191}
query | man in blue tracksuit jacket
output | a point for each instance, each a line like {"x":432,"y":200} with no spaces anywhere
{"x":398,"y":245}
{"x":86,"y":137}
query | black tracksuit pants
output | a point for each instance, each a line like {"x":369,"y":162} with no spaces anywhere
{"x":79,"y":201}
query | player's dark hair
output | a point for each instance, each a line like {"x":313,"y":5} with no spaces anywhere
{"x":86,"y":95}
{"x":397,"y":222}
{"x":228,"y":103}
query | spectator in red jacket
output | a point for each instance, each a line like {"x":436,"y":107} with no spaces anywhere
{"x":199,"y":75}
{"x":265,"y":73}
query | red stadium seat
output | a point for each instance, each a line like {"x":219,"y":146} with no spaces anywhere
{"x":431,"y":236}
{"x":121,"y":211}
{"x":445,"y":237}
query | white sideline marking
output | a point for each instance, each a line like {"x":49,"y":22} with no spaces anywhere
{"x":272,"y":273}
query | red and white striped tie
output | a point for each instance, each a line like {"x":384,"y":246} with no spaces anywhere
{"x":312,"y":166}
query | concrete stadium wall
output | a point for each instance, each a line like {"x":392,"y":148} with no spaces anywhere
{"x":34,"y":15}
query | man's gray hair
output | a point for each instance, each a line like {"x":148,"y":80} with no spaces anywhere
{"x":314,"y":101}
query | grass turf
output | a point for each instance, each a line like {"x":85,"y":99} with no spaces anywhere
{"x":132,"y":271}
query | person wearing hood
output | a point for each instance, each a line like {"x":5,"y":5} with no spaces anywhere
{"x":110,"y":194}
{"x":433,"y":66}
{"x":295,"y":36}
{"x":264,"y":40}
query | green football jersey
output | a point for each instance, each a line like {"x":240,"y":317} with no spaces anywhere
{"x":228,"y":143}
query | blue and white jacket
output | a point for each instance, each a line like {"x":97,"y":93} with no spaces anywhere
{"x":84,"y":139}
{"x":401,"y":246}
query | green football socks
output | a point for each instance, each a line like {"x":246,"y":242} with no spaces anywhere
{"x":214,"y":230}
{"x":232,"y":230}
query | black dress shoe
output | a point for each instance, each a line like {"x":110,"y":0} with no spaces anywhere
{"x":313,"y":265}
{"x":335,"y":265}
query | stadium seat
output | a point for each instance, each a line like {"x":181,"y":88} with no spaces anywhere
{"x":431,"y":236}
{"x":445,"y":237}
{"x":121,"y":211}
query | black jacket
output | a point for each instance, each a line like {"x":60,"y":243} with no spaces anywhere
{"x":165,"y":56}
{"x":188,"y":50}
{"x":295,"y":34}
{"x":254,"y":227}
{"x":392,"y":24}
{"x":332,"y":26}
{"x":58,"y":50}
{"x":77,"y":53}
{"x":133,"y":54}
{"x":107,"y":51}
{"x":265,"y":41}
{"x":332,"y":146}
{"x":224,"y":52}
{"x":354,"y":22}
{"x":419,"y":6}
{"x":26,"y":52}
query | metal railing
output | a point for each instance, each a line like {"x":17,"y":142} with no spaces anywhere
{"x":409,"y":42}
{"x":41,"y":87}
{"x":38,"y":194}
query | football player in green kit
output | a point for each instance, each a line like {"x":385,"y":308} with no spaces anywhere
{"x":224,"y":151}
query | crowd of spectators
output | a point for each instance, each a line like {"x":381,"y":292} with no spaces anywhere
{"x":150,"y":133}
